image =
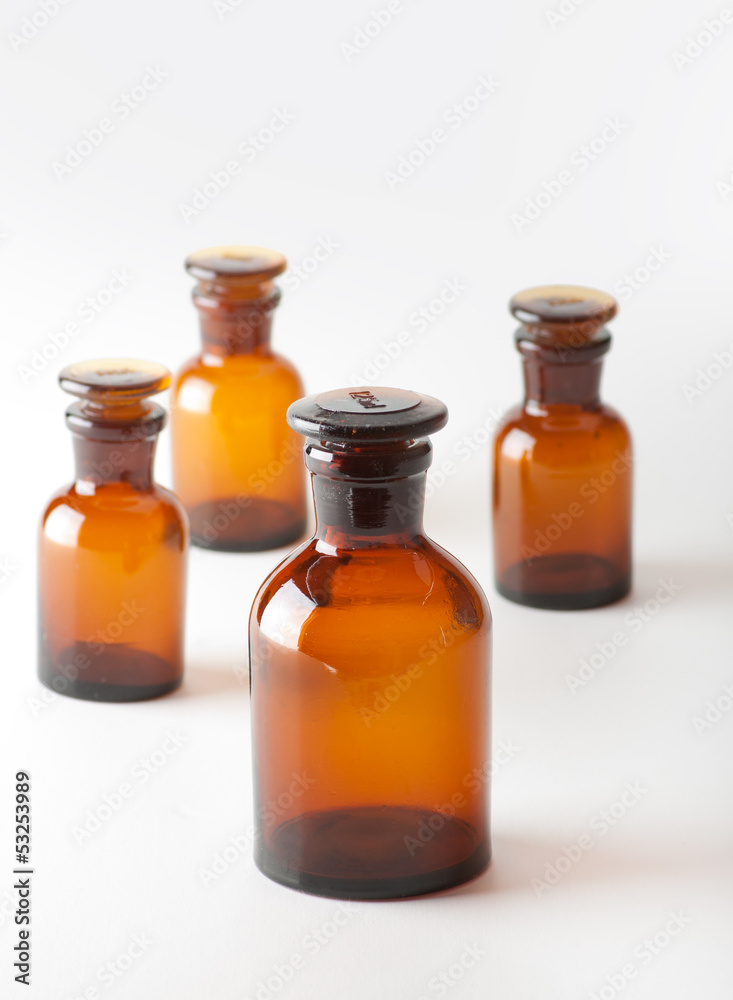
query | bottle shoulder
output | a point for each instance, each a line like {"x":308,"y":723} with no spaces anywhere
{"x":170,"y":503}
{"x":523,"y":431}
{"x":462,"y":583}
{"x":285,"y":365}
{"x":114,"y":507}
{"x":200,"y":385}
{"x":511,"y":416}
{"x":216,"y":369}
{"x":421,"y":580}
{"x":612,"y":417}
{"x":189,"y":369}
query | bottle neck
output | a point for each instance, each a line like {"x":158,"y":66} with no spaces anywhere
{"x":562,"y":384}
{"x":111,"y":446}
{"x":367,"y":514}
{"x":562,"y":367}
{"x":369,"y":495}
{"x":103,"y":462}
{"x":232,"y":327}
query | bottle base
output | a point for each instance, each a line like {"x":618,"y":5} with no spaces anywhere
{"x":115,"y":674}
{"x":574,"y":581}
{"x":259,"y":525}
{"x":373,"y":853}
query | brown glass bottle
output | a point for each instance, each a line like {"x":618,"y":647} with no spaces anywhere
{"x":370,"y":650}
{"x":112,"y":547}
{"x":236,"y":463}
{"x":562,"y":461}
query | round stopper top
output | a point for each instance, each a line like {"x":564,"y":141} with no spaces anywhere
{"x":555,"y":311}
{"x":235,"y":262}
{"x":114,"y":381}
{"x":367,"y":414}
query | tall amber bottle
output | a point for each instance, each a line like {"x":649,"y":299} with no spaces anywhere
{"x":370,"y":652}
{"x":112,"y":547}
{"x":236,"y":463}
{"x":562,"y":461}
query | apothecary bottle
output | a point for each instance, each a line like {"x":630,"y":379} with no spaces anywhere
{"x":562,"y":461}
{"x":236,"y":463}
{"x":113,"y":545}
{"x":370,"y":650}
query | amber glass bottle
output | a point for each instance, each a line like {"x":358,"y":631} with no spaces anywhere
{"x":236,"y":463}
{"x":370,"y":652}
{"x":562,"y":461}
{"x":112,"y":547}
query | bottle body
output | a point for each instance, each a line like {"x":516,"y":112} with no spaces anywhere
{"x":562,"y":499}
{"x":112,"y":579}
{"x":237,"y":464}
{"x":370,"y":699}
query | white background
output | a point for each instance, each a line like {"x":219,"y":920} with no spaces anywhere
{"x":355,"y":114}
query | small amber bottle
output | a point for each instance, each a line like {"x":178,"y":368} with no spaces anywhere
{"x":236,"y":463}
{"x":562,"y":461}
{"x":112,"y":547}
{"x":370,"y":650}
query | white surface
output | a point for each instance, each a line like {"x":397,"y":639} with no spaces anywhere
{"x":323,"y":177}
